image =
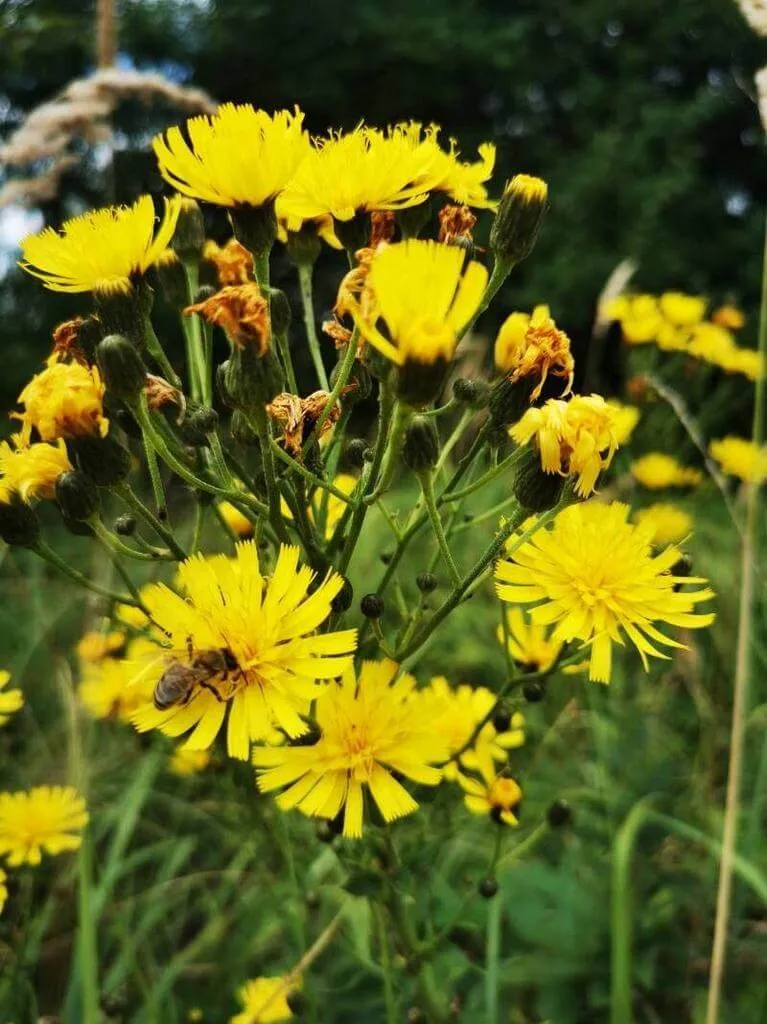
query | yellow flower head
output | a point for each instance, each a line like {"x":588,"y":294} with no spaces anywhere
{"x":498,"y":796}
{"x":682,"y":310}
{"x":362,"y":171}
{"x":533,"y":346}
{"x":625,"y":420}
{"x":264,"y":1001}
{"x":108,"y":688}
{"x":103,"y":250}
{"x":712,"y":343}
{"x":185,"y":762}
{"x":46,"y":819}
{"x":247,"y":646}
{"x":241,"y":311}
{"x":31,"y":471}
{"x":729,"y":316}
{"x":3,"y":889}
{"x":367,"y":731}
{"x":667,"y":523}
{"x":65,"y":400}
{"x":424,"y":294}
{"x":95,"y":646}
{"x":237,"y":156}
{"x":333,"y":507}
{"x":531,"y":646}
{"x":461,"y":181}
{"x":747,"y":361}
{"x":594,"y":574}
{"x":10,"y":700}
{"x":576,"y":437}
{"x":657,"y":470}
{"x":233,"y":262}
{"x":639,"y":315}
{"x":740,"y":457}
{"x":236,"y":521}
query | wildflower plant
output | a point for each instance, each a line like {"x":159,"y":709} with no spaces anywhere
{"x":237,"y":494}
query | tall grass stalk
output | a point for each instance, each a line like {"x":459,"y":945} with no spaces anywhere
{"x":743,"y":670}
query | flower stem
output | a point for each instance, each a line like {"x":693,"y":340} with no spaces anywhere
{"x":132,"y":500}
{"x":260,"y":424}
{"x":158,"y":491}
{"x":392,"y":1014}
{"x":47,"y":553}
{"x":307,"y":474}
{"x":342,"y":377}
{"x":113,"y":543}
{"x":157,"y":352}
{"x":427,"y":489}
{"x":307,"y":302}
{"x":402,"y":416}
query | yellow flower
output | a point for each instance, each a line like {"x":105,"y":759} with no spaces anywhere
{"x":712,"y":343}
{"x":640,"y":318}
{"x":362,"y":171}
{"x":185,"y":762}
{"x":729,"y":316}
{"x":740,"y":457}
{"x":496,"y":795}
{"x":682,"y":310}
{"x":424,"y":295}
{"x":594,"y":574}
{"x":461,"y":181}
{"x":235,"y":520}
{"x":625,"y":420}
{"x":576,"y":437}
{"x":657,"y":470}
{"x":530,"y":645}
{"x":65,"y":400}
{"x":3,"y":889}
{"x":10,"y":700}
{"x":250,"y":642}
{"x":31,"y":471}
{"x":46,"y":819}
{"x":108,"y":688}
{"x":454,"y":714}
{"x":94,"y":646}
{"x":334,"y":507}
{"x":367,"y":731}
{"x":747,"y":361}
{"x":533,"y":346}
{"x":668,"y":523}
{"x":103,"y":250}
{"x":264,"y":1001}
{"x":237,"y":156}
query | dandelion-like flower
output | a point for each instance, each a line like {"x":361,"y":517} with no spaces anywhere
{"x":657,"y":470}
{"x":103,"y":250}
{"x":264,"y":1001}
{"x":740,"y":457}
{"x":463,"y":182}
{"x":239,"y":156}
{"x":108,"y":688}
{"x":497,"y":796}
{"x":639,"y":316}
{"x":625,"y":420}
{"x":425,"y":295}
{"x":576,"y":437}
{"x":534,"y":347}
{"x":531,"y":646}
{"x":65,"y":400}
{"x":94,"y":646}
{"x":10,"y":700}
{"x":30,"y":471}
{"x":47,"y":819}
{"x":246,"y":645}
{"x":669,"y":523}
{"x":367,"y":732}
{"x":681,"y":309}
{"x":595,"y":575}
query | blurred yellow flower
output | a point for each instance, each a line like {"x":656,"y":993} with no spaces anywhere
{"x":532,"y":347}
{"x":728,"y":316}
{"x":367,"y":731}
{"x":94,"y":646}
{"x":668,"y":523}
{"x":185,"y":762}
{"x":657,"y":470}
{"x":30,"y":471}
{"x":108,"y":687}
{"x":264,"y":1001}
{"x":47,"y":819}
{"x":531,"y":646}
{"x":65,"y":400}
{"x":235,"y":520}
{"x":103,"y":250}
{"x":3,"y":889}
{"x":682,"y":310}
{"x":498,"y":796}
{"x":740,"y":457}
{"x":639,"y":315}
{"x":625,"y":419}
{"x":461,"y":181}
{"x":334,"y":507}
{"x":10,"y":700}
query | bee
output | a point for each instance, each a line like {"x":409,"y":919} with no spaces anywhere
{"x":178,"y":681}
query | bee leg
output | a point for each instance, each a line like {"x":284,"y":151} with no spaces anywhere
{"x":213,"y":690}
{"x":190,"y":648}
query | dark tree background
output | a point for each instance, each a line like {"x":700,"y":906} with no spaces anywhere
{"x":639,"y":113}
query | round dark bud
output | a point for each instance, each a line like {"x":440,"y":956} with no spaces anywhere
{"x":19,"y":524}
{"x":279,"y":311}
{"x":126,"y":421}
{"x":386,"y":557}
{"x":358,"y":452}
{"x":475,"y":393}
{"x":255,"y":227}
{"x":534,"y":489}
{"x":502,"y":720}
{"x":343,"y":598}
{"x":359,"y":382}
{"x":371,"y":606}
{"x":204,"y":419}
{"x":533,"y":692}
{"x":77,"y":496}
{"x":559,"y":814}
{"x":324,"y":831}
{"x":487,"y":888}
{"x":77,"y":527}
{"x":103,"y":459}
{"x":426,"y":582}
{"x":420,"y":449}
{"x":296,"y":1003}
{"x":125,"y":525}
{"x":121,"y":367}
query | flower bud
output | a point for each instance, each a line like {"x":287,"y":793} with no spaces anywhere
{"x":359,"y":385}
{"x":172,"y":278}
{"x":420,"y":383}
{"x":533,"y":692}
{"x":77,"y":527}
{"x":354,"y":234}
{"x":475,"y":393}
{"x":203,"y":293}
{"x":303,"y":246}
{"x":413,"y":219}
{"x":509,"y":399}
{"x":502,"y":719}
{"x":372,"y":606}
{"x":324,"y":831}
{"x":279,"y":310}
{"x":252,"y":380}
{"x":241,"y":430}
{"x":19,"y":525}
{"x":189,"y":236}
{"x":77,"y":496}
{"x":103,"y":459}
{"x":426,"y":582}
{"x":519,"y":216}
{"x":255,"y":227}
{"x":125,"y":525}
{"x":358,"y":452}
{"x":296,"y":1003}
{"x":121,"y":367}
{"x":199,"y":422}
{"x":343,"y":598}
{"x":126,"y":312}
{"x":487,"y":888}
{"x":222,"y":373}
{"x":420,"y":449}
{"x":535,"y":490}
{"x":559,"y":814}
{"x":89,"y":334}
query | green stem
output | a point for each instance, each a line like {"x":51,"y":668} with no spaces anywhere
{"x":127,"y":494}
{"x":427,"y":489}
{"x":283,"y":350}
{"x":498,"y":275}
{"x":218,"y":459}
{"x":260,"y":424}
{"x":157,"y":352}
{"x":312,"y":478}
{"x":307,"y":302}
{"x":392,"y":1014}
{"x":344,"y":369}
{"x":87,"y":948}
{"x":113,"y":543}
{"x":492,"y":959}
{"x":47,"y":553}
{"x":502,"y":467}
{"x":158,"y":491}
{"x":402,"y":416}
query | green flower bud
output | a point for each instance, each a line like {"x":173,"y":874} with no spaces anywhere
{"x":126,"y":312}
{"x":252,"y":380}
{"x":358,"y":452}
{"x":77,"y":496}
{"x":354,"y":234}
{"x":475,"y":393}
{"x":518,"y":220}
{"x":509,"y":400}
{"x":420,"y":449}
{"x":413,"y":219}
{"x":426,"y":582}
{"x":189,"y":236}
{"x":121,"y":367}
{"x":125,"y":525}
{"x":19,"y":525}
{"x":279,"y":311}
{"x":255,"y":227}
{"x":304,"y":245}
{"x":535,"y":490}
{"x":199,"y":422}
{"x":103,"y":459}
{"x":172,"y":278}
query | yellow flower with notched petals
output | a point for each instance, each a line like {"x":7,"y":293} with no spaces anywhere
{"x":424,"y":294}
{"x":237,"y":156}
{"x":498,"y":796}
{"x":625,"y":420}
{"x":101,"y":251}
{"x":533,"y":346}
{"x":47,"y":819}
{"x":669,"y":523}
{"x":65,"y":400}
{"x":10,"y":700}
{"x":252,"y":643}
{"x":594,"y":575}
{"x":657,"y":470}
{"x":367,"y":731}
{"x":740,"y":457}
{"x":459,"y":180}
{"x":30,"y":471}
{"x":531,"y":646}
{"x":264,"y":1001}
